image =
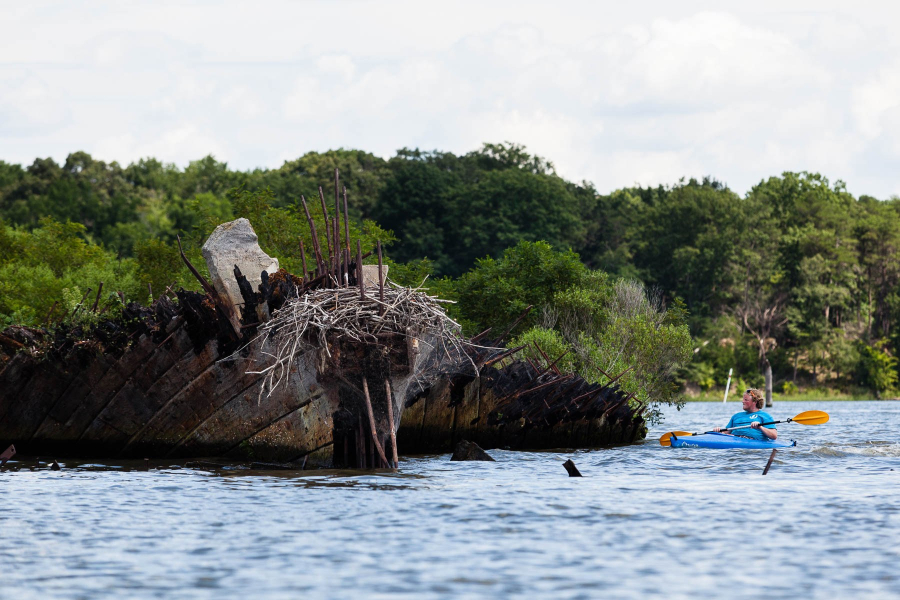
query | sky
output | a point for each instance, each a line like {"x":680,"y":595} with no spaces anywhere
{"x":614,"y":95}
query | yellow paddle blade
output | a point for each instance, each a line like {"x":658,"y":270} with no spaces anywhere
{"x":666,"y":439}
{"x":811,"y":417}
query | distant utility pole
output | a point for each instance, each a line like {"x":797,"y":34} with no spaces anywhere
{"x":727,"y":386}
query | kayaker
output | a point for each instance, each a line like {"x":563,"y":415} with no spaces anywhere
{"x":753,"y":415}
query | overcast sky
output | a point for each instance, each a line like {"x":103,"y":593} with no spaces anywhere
{"x":617,"y":95}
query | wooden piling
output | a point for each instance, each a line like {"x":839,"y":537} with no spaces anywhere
{"x":372,"y":421}
{"x":52,"y":308}
{"x":390,"y":411}
{"x":328,"y":232}
{"x":315,"y":238}
{"x":7,"y":454}
{"x":346,"y":222}
{"x":359,"y":271}
{"x":380,"y":281}
{"x":97,"y":300}
{"x":77,"y":306}
{"x":346,"y":253}
{"x":332,"y":263}
{"x":771,"y":458}
{"x":303,"y":260}
{"x":337,"y":227}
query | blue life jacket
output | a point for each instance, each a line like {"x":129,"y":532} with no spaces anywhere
{"x":745,"y":418}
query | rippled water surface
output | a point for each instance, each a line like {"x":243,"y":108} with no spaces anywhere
{"x":643,"y":521}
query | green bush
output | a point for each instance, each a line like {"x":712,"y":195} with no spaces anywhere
{"x":789,"y":388}
{"x":876,"y":368}
{"x":552,"y":344}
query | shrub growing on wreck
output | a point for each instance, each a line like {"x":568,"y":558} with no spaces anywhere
{"x":606,"y":325}
{"x":496,"y":291}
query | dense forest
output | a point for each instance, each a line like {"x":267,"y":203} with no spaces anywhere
{"x":796,"y":276}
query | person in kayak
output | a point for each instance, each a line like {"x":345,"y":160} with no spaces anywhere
{"x":752,"y":415}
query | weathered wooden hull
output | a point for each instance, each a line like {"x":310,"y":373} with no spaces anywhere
{"x":174,"y":382}
{"x":179,"y":390}
{"x":520,"y":408}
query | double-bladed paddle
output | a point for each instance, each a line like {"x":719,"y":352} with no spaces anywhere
{"x":809,"y":417}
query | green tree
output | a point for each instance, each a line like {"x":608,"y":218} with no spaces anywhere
{"x":497,"y":291}
{"x":685,"y":238}
{"x":38,"y":266}
{"x":608,"y":327}
{"x":877,"y":232}
{"x":362,"y":173}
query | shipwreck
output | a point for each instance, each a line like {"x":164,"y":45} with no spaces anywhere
{"x":337,"y":367}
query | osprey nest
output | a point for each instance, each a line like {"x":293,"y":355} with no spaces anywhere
{"x":309,"y":320}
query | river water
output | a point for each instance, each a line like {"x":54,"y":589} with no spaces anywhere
{"x":643,"y":521}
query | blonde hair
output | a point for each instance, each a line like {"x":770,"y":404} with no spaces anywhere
{"x":758,"y":397}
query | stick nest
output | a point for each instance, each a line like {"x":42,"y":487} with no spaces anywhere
{"x":311,"y":319}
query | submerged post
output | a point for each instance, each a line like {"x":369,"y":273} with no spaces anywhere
{"x":771,"y":458}
{"x":571,"y":469}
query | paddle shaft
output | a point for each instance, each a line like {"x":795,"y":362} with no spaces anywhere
{"x":741,"y":427}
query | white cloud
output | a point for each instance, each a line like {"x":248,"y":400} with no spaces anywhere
{"x":243,"y":102}
{"x":875,"y":99}
{"x":647,"y":92}
{"x":180,"y":145}
{"x":29,"y":106}
{"x":340,"y":65}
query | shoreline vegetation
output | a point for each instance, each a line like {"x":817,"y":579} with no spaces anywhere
{"x":809,"y":395}
{"x":661,"y":289}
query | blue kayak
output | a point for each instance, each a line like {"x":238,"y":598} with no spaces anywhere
{"x":722,"y":440}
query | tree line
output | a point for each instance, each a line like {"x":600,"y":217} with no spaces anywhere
{"x":796,"y":277}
